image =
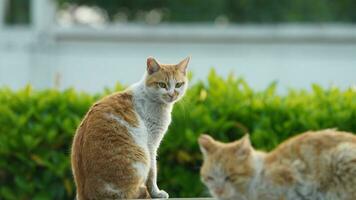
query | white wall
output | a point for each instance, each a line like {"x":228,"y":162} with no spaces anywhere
{"x":15,"y":57}
{"x":90,"y":59}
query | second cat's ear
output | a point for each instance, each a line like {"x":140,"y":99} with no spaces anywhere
{"x":244,"y":146}
{"x":183,"y":65}
{"x":206,"y":144}
{"x":152,"y":65}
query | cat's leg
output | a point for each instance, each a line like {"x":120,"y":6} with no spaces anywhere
{"x":143,"y":193}
{"x":111,"y":192}
{"x":153,"y":189}
{"x":118,"y":182}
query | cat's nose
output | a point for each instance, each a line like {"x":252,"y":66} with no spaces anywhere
{"x":219,"y":191}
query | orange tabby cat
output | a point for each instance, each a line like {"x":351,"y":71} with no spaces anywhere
{"x":317,"y":165}
{"x":114,"y":149}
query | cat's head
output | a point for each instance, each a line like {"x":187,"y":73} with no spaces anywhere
{"x":227,"y":167}
{"x":165,"y":82}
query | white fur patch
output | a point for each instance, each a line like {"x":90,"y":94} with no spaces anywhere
{"x":112,"y":189}
{"x":258,"y":159}
{"x":142,"y":169}
{"x":139,"y":134}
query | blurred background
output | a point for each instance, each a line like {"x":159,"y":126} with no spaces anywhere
{"x":90,"y":44}
{"x":271,"y":68}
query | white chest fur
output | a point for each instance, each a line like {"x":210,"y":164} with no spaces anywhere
{"x":155,"y":116}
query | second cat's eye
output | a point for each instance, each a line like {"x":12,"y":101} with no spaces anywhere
{"x":233,"y":176}
{"x":178,"y":85}
{"x":162,"y":85}
{"x":228,"y":178}
{"x":209,"y":178}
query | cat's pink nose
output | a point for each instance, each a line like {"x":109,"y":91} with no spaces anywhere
{"x":219,"y":191}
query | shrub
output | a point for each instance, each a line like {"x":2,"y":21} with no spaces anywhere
{"x":37,"y":128}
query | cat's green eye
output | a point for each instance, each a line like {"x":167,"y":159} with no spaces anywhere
{"x":178,"y":85}
{"x":162,"y":85}
{"x":209,"y":178}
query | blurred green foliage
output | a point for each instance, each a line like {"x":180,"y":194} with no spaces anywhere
{"x":17,"y":11}
{"x":240,"y":11}
{"x":237,"y":11}
{"x":36,"y":130}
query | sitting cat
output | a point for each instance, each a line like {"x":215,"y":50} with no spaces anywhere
{"x":317,"y":165}
{"x":114,"y":149}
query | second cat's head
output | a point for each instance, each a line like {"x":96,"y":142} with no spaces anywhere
{"x":165,"y":82}
{"x":227,"y":167}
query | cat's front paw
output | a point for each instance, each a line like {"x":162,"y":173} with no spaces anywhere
{"x":161,"y":194}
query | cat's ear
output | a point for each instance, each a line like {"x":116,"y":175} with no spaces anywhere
{"x":244,"y":147}
{"x":152,"y":65}
{"x":183,"y":65}
{"x":206,"y":144}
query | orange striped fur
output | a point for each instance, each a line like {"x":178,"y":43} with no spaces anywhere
{"x":114,"y":149}
{"x":313,"y":165}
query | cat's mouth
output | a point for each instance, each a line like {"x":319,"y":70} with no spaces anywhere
{"x":169,"y":99}
{"x":223,"y":194}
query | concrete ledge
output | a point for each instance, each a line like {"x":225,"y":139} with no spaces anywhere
{"x":260,"y":54}
{"x":190,"y":199}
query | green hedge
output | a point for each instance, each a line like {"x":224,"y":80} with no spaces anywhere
{"x":36,"y":129}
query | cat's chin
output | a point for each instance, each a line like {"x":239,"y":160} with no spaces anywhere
{"x":224,"y":198}
{"x":169,"y":101}
{"x":230,"y":196}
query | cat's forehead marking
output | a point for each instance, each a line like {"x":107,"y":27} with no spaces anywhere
{"x":216,"y":165}
{"x":166,"y":74}
{"x":171,"y":72}
{"x":213,"y":168}
{"x":219,"y":170}
{"x":226,"y":160}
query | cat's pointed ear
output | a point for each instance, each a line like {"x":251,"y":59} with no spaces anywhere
{"x":244,"y":146}
{"x":152,"y":65}
{"x":183,"y":65}
{"x":206,"y":144}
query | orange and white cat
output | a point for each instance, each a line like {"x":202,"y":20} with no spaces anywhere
{"x":317,"y":165}
{"x":114,"y":149}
